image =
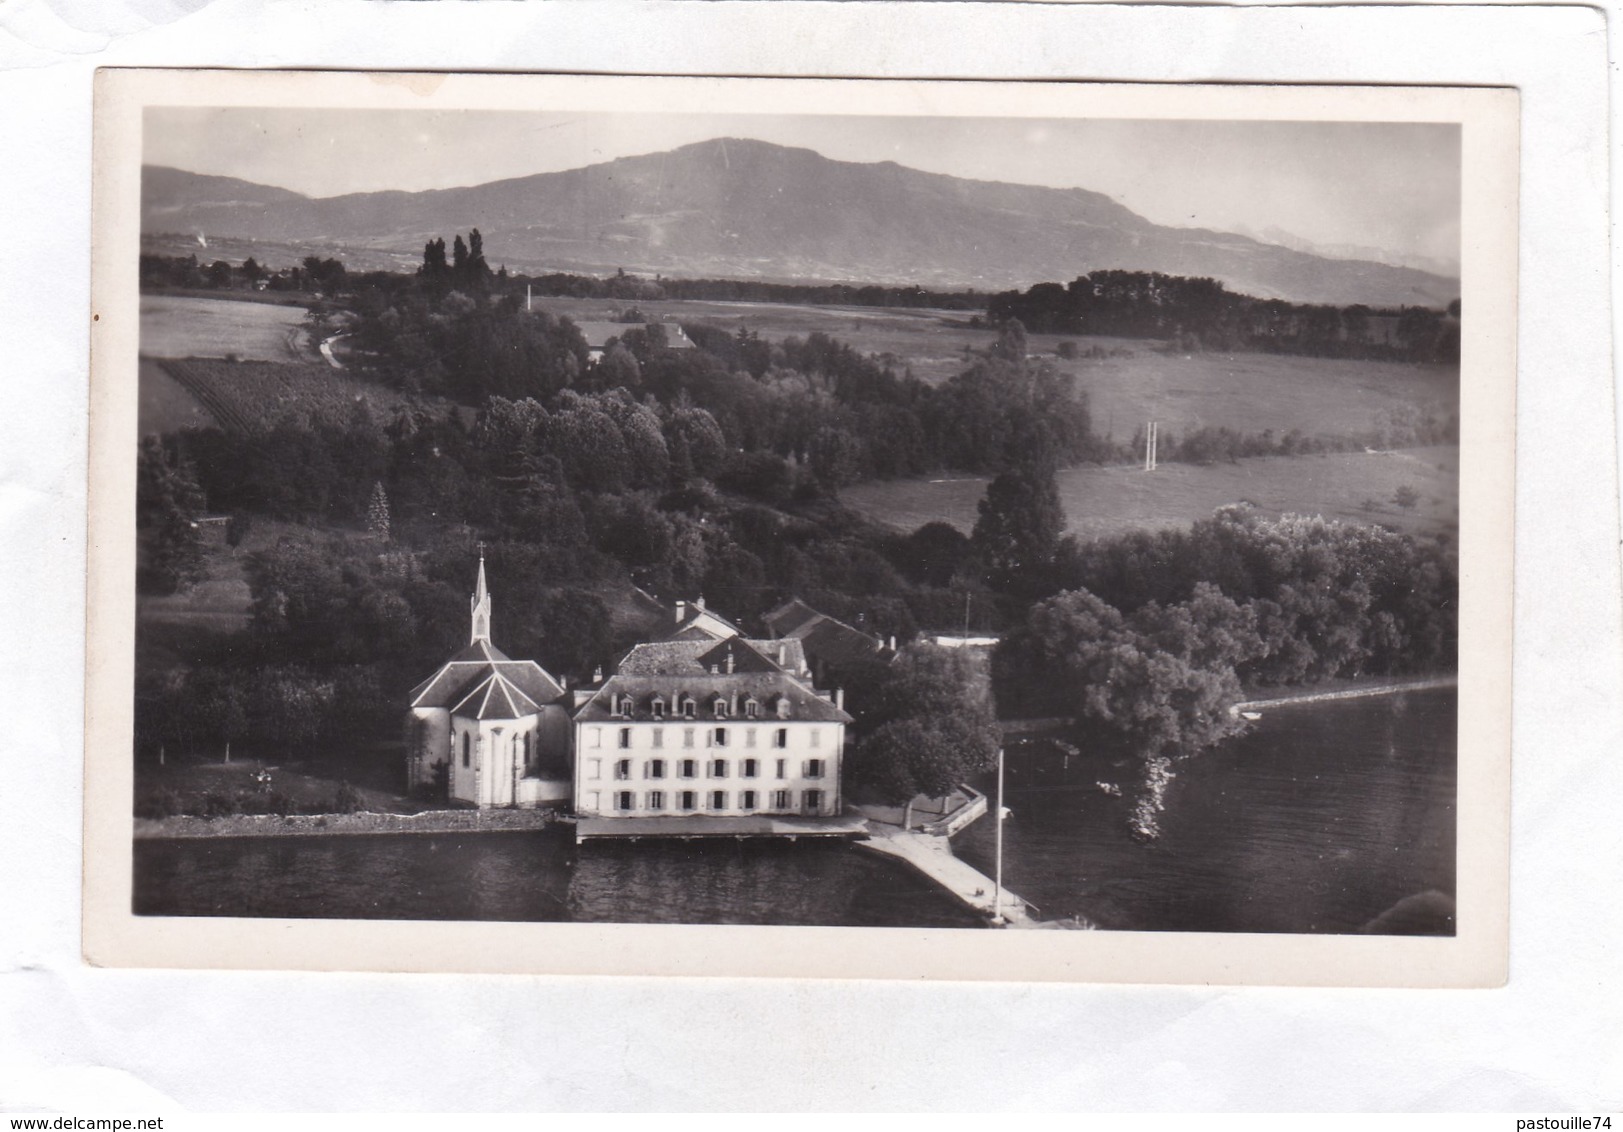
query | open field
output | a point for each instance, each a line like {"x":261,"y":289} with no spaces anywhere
{"x":1245,"y":392}
{"x":180,"y":326}
{"x":164,"y":404}
{"x":1102,"y":502}
{"x":922,"y":339}
{"x":1250,"y":392}
{"x":255,"y":396}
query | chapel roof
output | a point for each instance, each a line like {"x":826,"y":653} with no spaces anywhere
{"x":469,"y":670}
{"x":495,"y":697}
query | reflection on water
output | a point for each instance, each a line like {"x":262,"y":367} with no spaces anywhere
{"x":1319,"y":819}
{"x":533,"y":876}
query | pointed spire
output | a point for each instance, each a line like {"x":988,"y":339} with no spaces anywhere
{"x":481,"y":604}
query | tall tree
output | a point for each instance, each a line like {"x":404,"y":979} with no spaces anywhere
{"x":1018,"y":531}
{"x":936,"y":727}
{"x":167,"y":503}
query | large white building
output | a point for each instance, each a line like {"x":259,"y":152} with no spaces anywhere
{"x":705,"y":727}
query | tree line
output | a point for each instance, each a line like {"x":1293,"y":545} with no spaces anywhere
{"x":624,"y":286}
{"x":1200,"y":313}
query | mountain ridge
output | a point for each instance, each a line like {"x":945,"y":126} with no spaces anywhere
{"x":742,"y":208}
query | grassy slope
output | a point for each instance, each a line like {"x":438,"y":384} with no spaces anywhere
{"x":1111,"y":501}
{"x":175,"y":326}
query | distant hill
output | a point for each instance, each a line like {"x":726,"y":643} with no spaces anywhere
{"x":731,"y":208}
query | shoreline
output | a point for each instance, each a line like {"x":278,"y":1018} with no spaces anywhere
{"x":187,"y":826}
{"x":1354,"y":691}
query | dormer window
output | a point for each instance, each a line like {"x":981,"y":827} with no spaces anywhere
{"x":622,"y":705}
{"x":784,"y":707}
{"x":686,"y":706}
{"x":719,"y":707}
{"x":657,"y":706}
{"x":752,"y":708}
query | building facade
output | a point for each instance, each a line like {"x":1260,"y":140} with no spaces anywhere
{"x":497,"y":729}
{"x":703,"y":727}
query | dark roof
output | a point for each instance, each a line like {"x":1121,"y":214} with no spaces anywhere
{"x":767,"y":688}
{"x":495,"y":698}
{"x":689,"y":627}
{"x":790,"y":616}
{"x":472,"y":669}
{"x":694,"y":657}
{"x":836,"y":643}
{"x":825,"y":638}
{"x":670,"y":669}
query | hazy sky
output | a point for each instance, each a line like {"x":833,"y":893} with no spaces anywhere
{"x":1388,"y":185}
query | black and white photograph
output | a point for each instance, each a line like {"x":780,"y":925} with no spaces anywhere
{"x":1005,"y":515}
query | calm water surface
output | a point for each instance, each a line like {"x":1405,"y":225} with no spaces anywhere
{"x":1320,"y":819}
{"x":533,"y":876}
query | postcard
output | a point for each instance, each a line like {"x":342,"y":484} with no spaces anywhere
{"x":816,"y":528}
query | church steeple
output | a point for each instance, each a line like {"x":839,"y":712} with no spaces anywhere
{"x":481,"y":605}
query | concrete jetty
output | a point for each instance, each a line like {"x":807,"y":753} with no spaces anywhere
{"x":931,"y":855}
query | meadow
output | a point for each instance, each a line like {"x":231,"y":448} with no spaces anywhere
{"x":1356,"y":487}
{"x":181,"y":326}
{"x":255,"y":396}
{"x":1246,"y":392}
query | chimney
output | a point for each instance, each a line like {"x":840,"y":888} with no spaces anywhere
{"x":699,"y":604}
{"x":730,"y":662}
{"x":839,"y":698}
{"x":781,"y":656}
{"x":681,"y":611}
{"x":597,"y":675}
{"x":714,"y":671}
{"x":893,"y":642}
{"x":563,"y":682}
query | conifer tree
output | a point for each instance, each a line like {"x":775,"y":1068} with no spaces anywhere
{"x":377,"y":513}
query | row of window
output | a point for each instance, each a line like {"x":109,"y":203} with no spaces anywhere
{"x":687,"y":707}
{"x":521,"y":744}
{"x":714,"y":768}
{"x":687,"y":801}
{"x":713,"y":737}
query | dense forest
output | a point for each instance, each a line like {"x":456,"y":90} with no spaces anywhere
{"x":1203,"y":314}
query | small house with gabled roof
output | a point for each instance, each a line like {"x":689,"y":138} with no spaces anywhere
{"x":836,"y":651}
{"x":499,"y":727}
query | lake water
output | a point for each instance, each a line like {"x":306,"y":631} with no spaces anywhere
{"x":538,"y":875}
{"x":1318,"y":820}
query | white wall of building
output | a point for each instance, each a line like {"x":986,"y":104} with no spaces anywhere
{"x":791,"y":767}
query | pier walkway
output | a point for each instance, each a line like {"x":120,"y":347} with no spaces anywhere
{"x":932,"y":856}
